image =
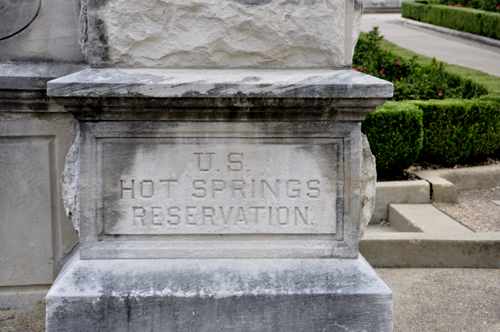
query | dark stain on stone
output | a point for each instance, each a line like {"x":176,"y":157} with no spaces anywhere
{"x":129,"y":309}
{"x":358,"y":5}
{"x":100,"y":51}
{"x":98,"y":3}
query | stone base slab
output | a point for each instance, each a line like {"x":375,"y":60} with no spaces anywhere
{"x":219,"y":295}
{"x":21,"y":297}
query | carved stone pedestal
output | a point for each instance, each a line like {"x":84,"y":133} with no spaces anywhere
{"x":219,"y":200}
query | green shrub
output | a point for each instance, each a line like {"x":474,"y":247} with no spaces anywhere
{"x":454,"y":130}
{"x":488,"y":5}
{"x":395,"y":135}
{"x":411,"y":80}
{"x":490,"y":25}
{"x":490,"y":82}
{"x":457,"y":131}
{"x":415,"y":10}
{"x":470,"y":20}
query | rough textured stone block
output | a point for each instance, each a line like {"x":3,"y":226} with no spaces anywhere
{"x":219,"y":295}
{"x":221,"y":33}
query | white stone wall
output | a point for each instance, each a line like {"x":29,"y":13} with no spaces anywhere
{"x":35,"y":234}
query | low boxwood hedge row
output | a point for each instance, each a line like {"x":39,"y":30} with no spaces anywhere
{"x":470,"y":20}
{"x":458,"y":131}
{"x":444,"y":132}
{"x":395,"y":134}
{"x":452,"y":130}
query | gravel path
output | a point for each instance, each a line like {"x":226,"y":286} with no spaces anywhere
{"x":32,"y":319}
{"x":475,"y":209}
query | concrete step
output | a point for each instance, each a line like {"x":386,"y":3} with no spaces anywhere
{"x":420,"y":235}
{"x":423,"y":218}
{"x":431,"y":250}
{"x":446,"y":182}
{"x":400,"y":192}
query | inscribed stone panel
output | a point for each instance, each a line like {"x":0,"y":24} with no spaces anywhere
{"x":209,"y":186}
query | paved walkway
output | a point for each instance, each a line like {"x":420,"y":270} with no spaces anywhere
{"x":445,"y":300}
{"x":435,"y":44}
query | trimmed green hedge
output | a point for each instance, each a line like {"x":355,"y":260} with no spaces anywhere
{"x":454,"y":130}
{"x":445,"y":132}
{"x":470,"y":20}
{"x":395,"y":135}
{"x":457,"y":130}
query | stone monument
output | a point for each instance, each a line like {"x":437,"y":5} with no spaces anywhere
{"x":220,"y":180}
{"x":39,"y":41}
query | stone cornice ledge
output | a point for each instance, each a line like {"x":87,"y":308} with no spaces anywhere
{"x":25,"y":76}
{"x":217,"y":83}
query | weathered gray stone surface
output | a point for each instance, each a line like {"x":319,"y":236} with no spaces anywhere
{"x":219,"y":295}
{"x":69,"y":183}
{"x":35,"y":234}
{"x":196,"y":83}
{"x":22,"y":297}
{"x":35,"y":135}
{"x":35,"y":30}
{"x":368,"y":183}
{"x":26,"y":76}
{"x":26,"y":175}
{"x":221,"y":186}
{"x":224,"y":34}
{"x":215,"y":200}
{"x":17,"y":15}
{"x":212,"y":180}
{"x":247,"y":175}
